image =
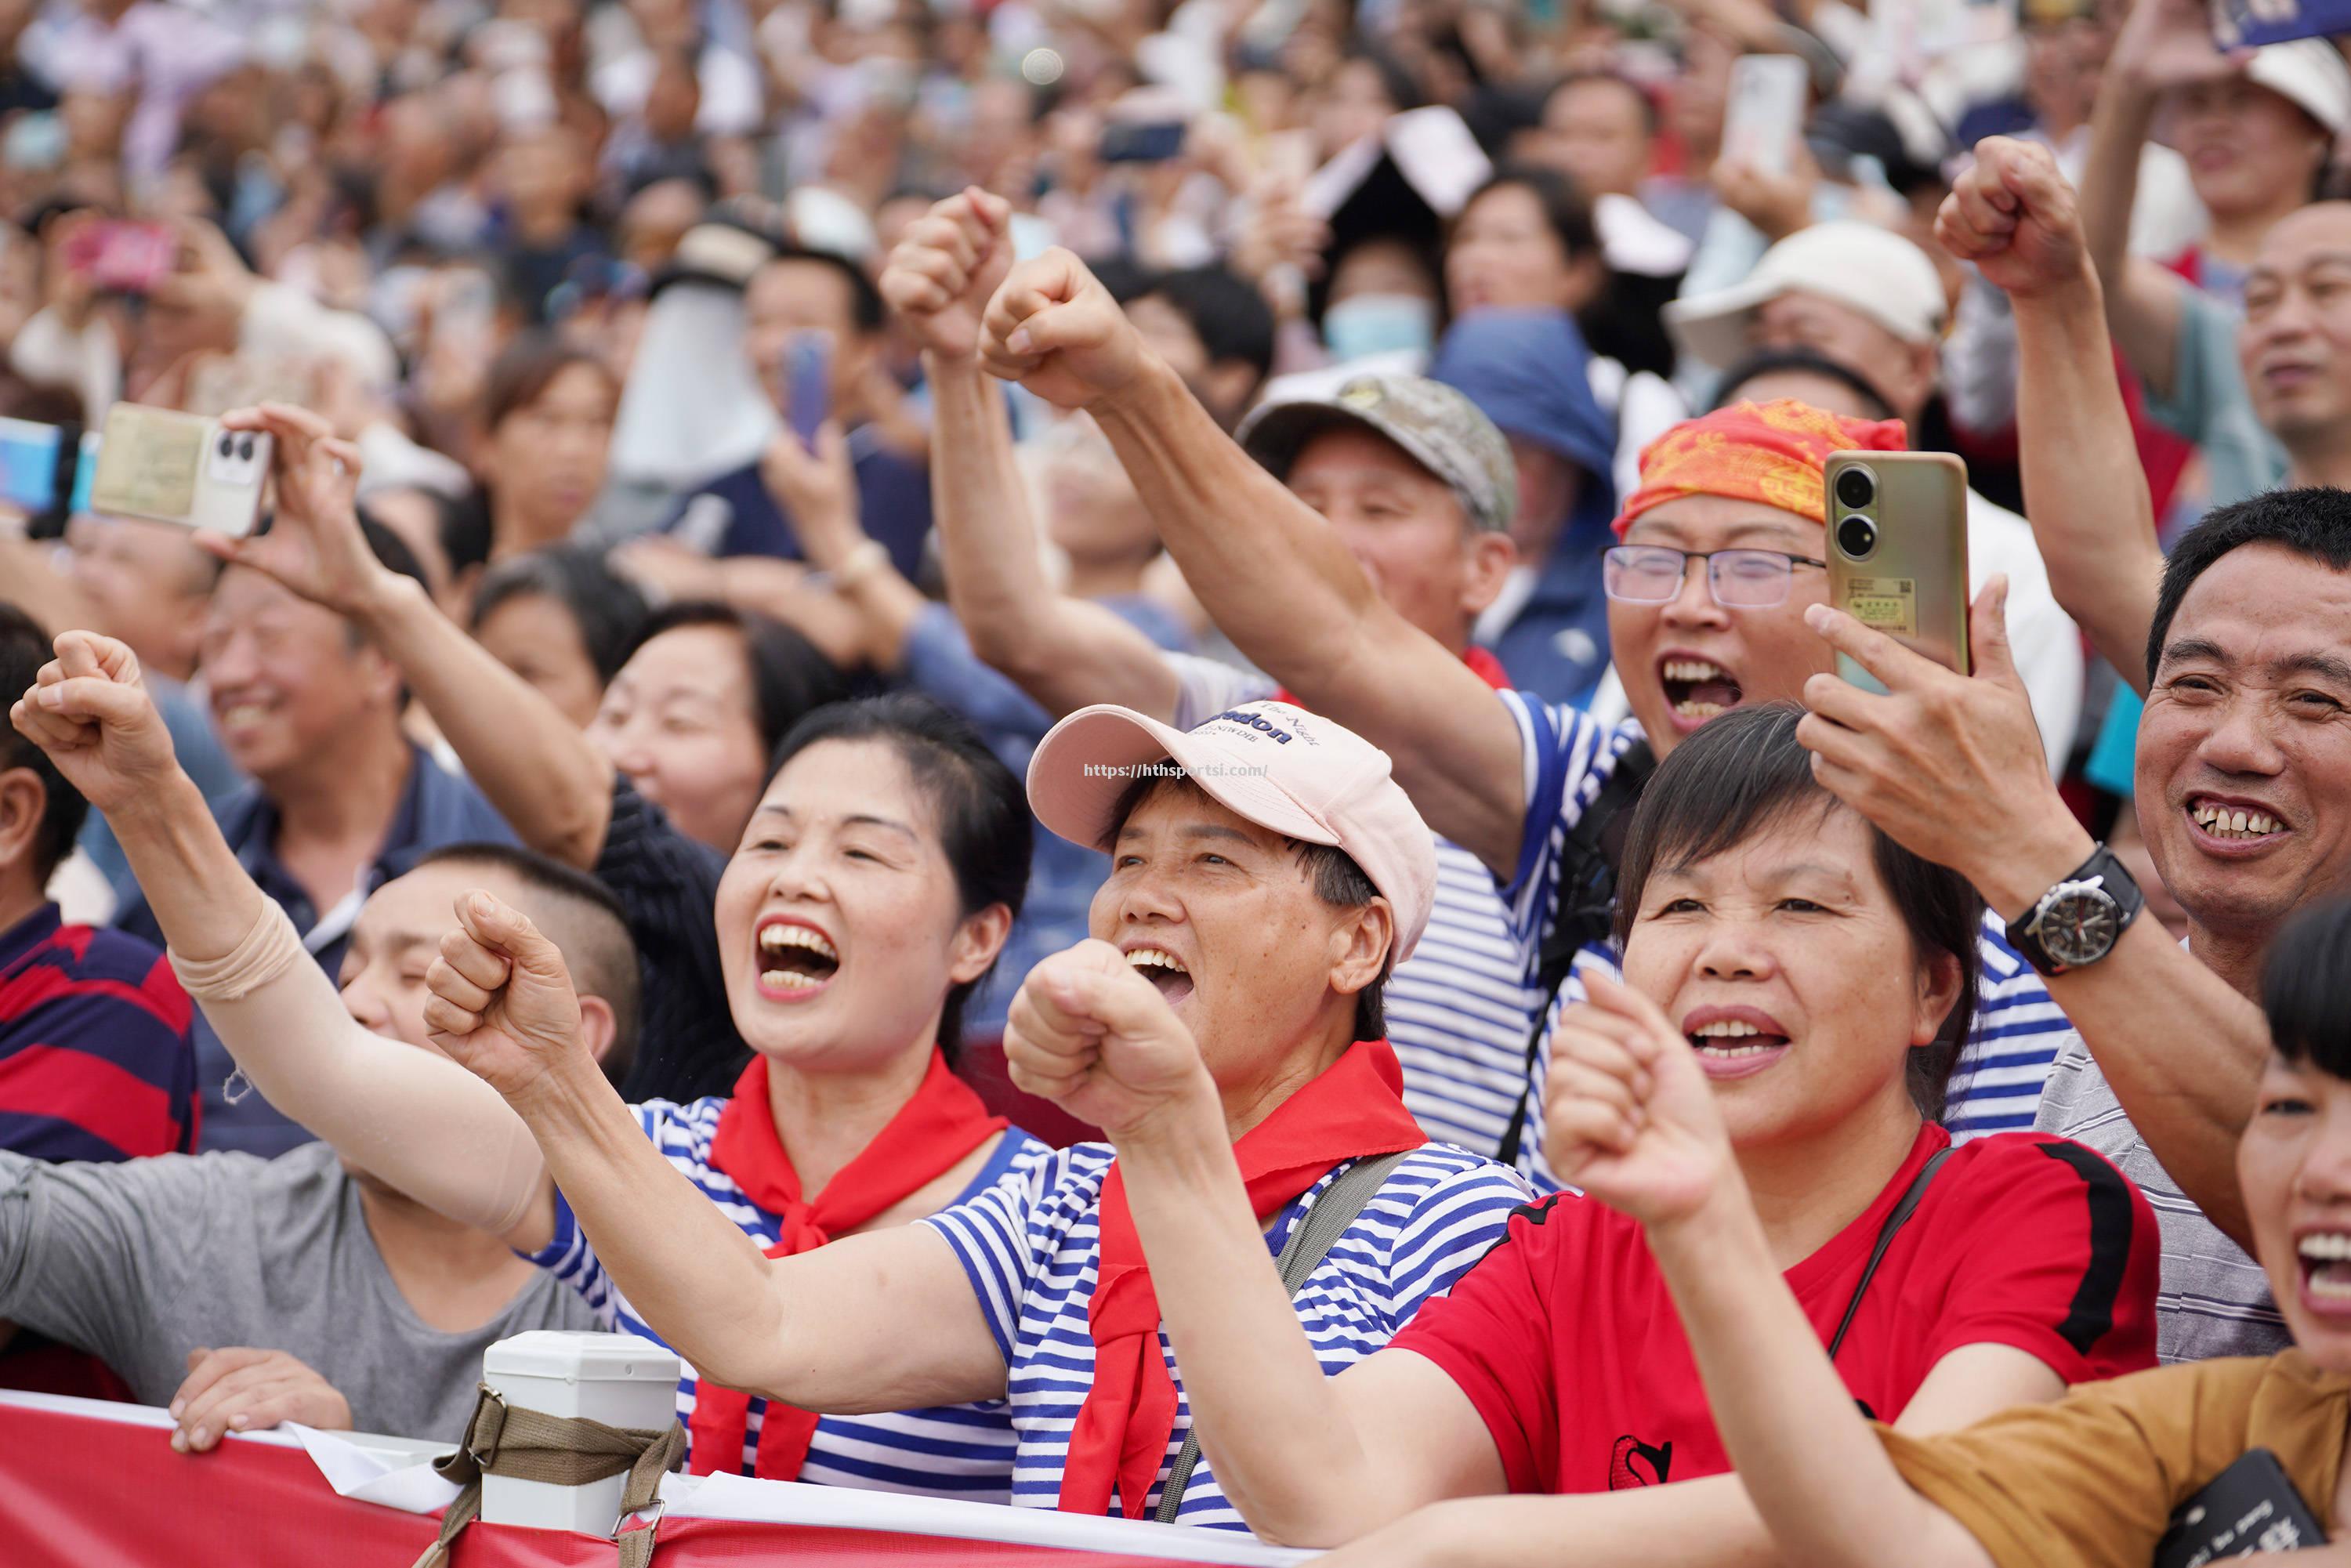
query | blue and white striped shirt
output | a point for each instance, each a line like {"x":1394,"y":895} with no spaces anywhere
{"x":956,"y":1450}
{"x":1460,"y":1008}
{"x":1996,"y":1086}
{"x":1033,"y":1249}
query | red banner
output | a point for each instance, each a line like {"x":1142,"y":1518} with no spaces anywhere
{"x":84,"y":1491}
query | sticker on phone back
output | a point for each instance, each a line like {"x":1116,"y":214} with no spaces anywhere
{"x":1887,"y":604}
{"x":154,"y":476}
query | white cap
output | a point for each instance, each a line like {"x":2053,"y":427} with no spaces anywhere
{"x":2309,"y":74}
{"x":1873,"y":271}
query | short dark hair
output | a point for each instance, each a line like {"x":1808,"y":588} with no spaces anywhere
{"x":866,"y":308}
{"x":1746,"y":773}
{"x":1800,"y":361}
{"x":2307,"y":988}
{"x":527,"y":367}
{"x":606,"y":607}
{"x":1404,"y":88}
{"x":585,"y":920}
{"x":983,"y":813}
{"x":789,"y":678}
{"x":1565,"y":211}
{"x":1649,"y":116}
{"x":1338,"y":881}
{"x":25,"y":647}
{"x":1226,"y":312}
{"x":2312,"y":521}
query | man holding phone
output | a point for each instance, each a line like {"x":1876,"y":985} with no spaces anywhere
{"x":1508,"y":779}
{"x":814,"y":332}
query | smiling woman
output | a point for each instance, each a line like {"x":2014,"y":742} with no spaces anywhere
{"x":1821,"y":977}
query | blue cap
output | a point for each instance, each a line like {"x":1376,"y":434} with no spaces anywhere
{"x":1530,"y":371}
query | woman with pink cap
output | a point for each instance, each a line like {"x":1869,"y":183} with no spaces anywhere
{"x":1267,"y":874}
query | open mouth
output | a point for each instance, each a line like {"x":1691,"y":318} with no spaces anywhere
{"x":1163,"y":969}
{"x":1737,"y":1047}
{"x":243,"y":715}
{"x":1696,"y":689}
{"x":2233,"y":822}
{"x":796,"y":960}
{"x":2326,"y":1259}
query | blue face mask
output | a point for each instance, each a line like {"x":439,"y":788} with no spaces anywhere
{"x":1379,"y":324}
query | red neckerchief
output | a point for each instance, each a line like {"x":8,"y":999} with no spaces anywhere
{"x":1481,"y":662}
{"x":931,"y":1134}
{"x":1120,"y":1441}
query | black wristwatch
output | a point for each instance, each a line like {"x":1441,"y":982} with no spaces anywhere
{"x":2079,"y":921}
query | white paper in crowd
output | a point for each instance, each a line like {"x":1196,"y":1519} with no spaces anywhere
{"x":1432,"y":149}
{"x":1765,"y":113}
{"x":693,"y":409}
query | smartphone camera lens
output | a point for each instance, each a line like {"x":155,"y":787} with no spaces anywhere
{"x":245,"y":449}
{"x":1855,"y":487}
{"x":1856,"y":535}
{"x":228,"y":444}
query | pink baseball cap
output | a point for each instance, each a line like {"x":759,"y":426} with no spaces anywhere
{"x":1277,"y":765}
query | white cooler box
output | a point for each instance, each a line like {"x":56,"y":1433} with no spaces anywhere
{"x":617,"y":1379}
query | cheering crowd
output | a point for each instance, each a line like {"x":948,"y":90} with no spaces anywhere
{"x":1101,"y":742}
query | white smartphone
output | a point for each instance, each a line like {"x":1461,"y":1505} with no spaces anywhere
{"x":1765,"y":114}
{"x":180,"y":469}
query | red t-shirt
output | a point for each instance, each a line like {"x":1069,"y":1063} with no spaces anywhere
{"x":1564,"y":1337}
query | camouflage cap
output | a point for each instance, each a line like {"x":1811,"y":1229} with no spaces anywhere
{"x":1438,"y":427}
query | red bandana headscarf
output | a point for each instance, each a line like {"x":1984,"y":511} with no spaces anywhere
{"x":1773,"y":453}
{"x":1120,"y":1441}
{"x":931,"y":1134}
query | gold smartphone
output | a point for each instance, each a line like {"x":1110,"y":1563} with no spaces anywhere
{"x":1899,"y":552}
{"x":180,"y":469}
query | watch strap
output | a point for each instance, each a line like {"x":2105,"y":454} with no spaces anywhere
{"x":2113,"y":879}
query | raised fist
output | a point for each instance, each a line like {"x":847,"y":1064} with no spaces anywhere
{"x":502,"y":1003}
{"x":89,"y":712}
{"x":2013,"y":216}
{"x":1089,"y":1033}
{"x":1054,"y":328}
{"x":941,"y":275}
{"x":1628,"y":1115}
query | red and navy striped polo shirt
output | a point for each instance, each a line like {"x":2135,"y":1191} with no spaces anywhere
{"x":96,"y":1061}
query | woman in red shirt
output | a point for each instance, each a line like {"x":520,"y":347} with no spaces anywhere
{"x":1818,"y":972}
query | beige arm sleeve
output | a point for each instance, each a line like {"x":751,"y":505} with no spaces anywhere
{"x":405,"y":1115}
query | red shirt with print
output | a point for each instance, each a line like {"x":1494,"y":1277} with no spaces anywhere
{"x":1565,"y":1338}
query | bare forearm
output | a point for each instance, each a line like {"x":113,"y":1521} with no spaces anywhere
{"x":419,"y":1123}
{"x":878,"y":1321}
{"x":1277,"y":1432}
{"x":1063,"y":651}
{"x":1706,"y":1524}
{"x":2085,"y":493}
{"x":2140,"y":309}
{"x":553,"y":787}
{"x":1815,"y":1471}
{"x":2180,"y":1047}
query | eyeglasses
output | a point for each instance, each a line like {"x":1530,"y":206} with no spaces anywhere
{"x":1739,"y":578}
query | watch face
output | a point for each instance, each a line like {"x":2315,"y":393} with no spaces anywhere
{"x":2080,"y":925}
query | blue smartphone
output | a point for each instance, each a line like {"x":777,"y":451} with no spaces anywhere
{"x":807,"y":384}
{"x":34,"y":469}
{"x":1142,"y":141}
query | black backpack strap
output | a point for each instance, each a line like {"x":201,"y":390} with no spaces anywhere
{"x":1584,"y":911}
{"x":1310,"y":1242}
{"x":1885,"y":1234}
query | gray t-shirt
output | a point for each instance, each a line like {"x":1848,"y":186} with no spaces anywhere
{"x":140,"y":1262}
{"x":2215,"y":1300}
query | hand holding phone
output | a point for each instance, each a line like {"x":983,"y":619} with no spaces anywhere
{"x":123,"y":257}
{"x":183,"y":468}
{"x":807,"y":384}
